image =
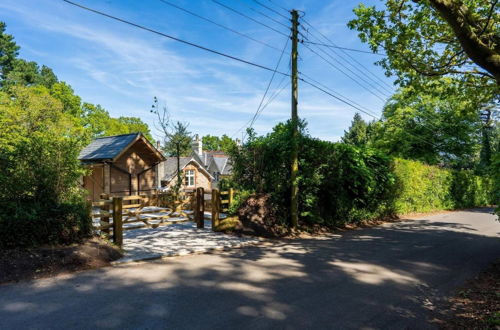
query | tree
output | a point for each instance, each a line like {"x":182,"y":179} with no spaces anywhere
{"x":211,"y":142}
{"x":226,"y":143}
{"x":430,"y":128}
{"x":214,"y":143}
{"x":8,"y":51}
{"x":435,"y":38}
{"x":176,"y":138}
{"x":98,"y":122}
{"x":40,"y":195}
{"x":357,"y":133}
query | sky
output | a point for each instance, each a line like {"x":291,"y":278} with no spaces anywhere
{"x":123,"y":68}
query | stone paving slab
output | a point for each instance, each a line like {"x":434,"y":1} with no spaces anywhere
{"x":176,"y":240}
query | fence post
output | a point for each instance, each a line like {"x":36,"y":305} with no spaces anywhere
{"x":200,"y":207}
{"x":117,"y":221}
{"x":215,"y":208}
{"x":230,"y":197}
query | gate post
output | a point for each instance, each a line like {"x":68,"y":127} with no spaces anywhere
{"x":117,"y":221}
{"x":200,"y":207}
{"x":231,"y":194}
{"x":105,"y":208}
{"x":215,"y":208}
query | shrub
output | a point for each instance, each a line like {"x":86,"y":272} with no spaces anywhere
{"x":340,"y":183}
{"x":40,"y":198}
{"x":422,"y":188}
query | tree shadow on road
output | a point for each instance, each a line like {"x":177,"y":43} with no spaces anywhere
{"x":384,"y":277}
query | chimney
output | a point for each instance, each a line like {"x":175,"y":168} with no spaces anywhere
{"x":238,"y":142}
{"x":197,"y":145}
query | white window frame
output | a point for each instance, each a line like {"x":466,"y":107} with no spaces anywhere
{"x":189,"y":180}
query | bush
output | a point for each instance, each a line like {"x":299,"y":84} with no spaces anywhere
{"x":423,"y":188}
{"x":340,"y":183}
{"x":40,"y":198}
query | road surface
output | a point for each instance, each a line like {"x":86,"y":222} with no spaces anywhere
{"x":388,"y":277}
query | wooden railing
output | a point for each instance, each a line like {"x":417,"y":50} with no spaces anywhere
{"x":117,"y":214}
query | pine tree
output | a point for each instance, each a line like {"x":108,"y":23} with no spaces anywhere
{"x":357,"y":133}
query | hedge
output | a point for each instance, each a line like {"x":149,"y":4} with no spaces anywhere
{"x":423,"y":188}
{"x":340,"y":183}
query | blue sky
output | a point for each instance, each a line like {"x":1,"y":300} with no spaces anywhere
{"x":122,"y":68}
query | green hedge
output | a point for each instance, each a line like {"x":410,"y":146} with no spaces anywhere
{"x":340,"y":183}
{"x":423,"y":188}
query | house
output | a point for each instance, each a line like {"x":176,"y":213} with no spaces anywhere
{"x":201,"y":169}
{"x":120,"y":165}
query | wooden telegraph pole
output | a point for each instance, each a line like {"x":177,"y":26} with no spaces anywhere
{"x":294,"y":207}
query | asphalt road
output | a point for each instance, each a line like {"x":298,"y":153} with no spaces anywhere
{"x":389,"y":277}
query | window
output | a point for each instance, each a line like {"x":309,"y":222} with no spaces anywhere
{"x":189,"y":178}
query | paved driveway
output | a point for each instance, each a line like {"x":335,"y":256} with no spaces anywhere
{"x":386,"y":277}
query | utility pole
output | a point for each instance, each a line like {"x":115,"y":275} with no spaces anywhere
{"x":294,"y":207}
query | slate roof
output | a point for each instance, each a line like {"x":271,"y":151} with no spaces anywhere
{"x":107,"y":147}
{"x":170,"y":166}
{"x":221,"y":160}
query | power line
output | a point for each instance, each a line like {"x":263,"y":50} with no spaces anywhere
{"x":370,"y":82}
{"x":340,"y":95}
{"x":279,"y":6}
{"x":344,"y":51}
{"x":358,"y":108}
{"x":275,"y":94}
{"x":269,"y":84}
{"x":270,"y":9}
{"x":268,"y":17}
{"x":357,"y":68}
{"x":174,"y":38}
{"x":346,"y":74}
{"x":248,"y":17}
{"x":219,"y":25}
{"x":344,"y":48}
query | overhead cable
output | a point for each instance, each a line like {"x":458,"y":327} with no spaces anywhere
{"x":173,"y":38}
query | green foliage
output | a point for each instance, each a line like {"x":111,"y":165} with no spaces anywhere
{"x":178,"y":142}
{"x":8,"y":52}
{"x":429,"y":127}
{"x":224,"y":143}
{"x":423,"y":40}
{"x":40,"y":198}
{"x":495,"y":174}
{"x":239,"y":197}
{"x":340,"y":183}
{"x":357,"y":134}
{"x":44,"y":125}
{"x":99,"y":123}
{"x":423,"y":188}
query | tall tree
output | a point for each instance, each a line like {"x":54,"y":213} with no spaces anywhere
{"x":430,"y":128}
{"x":8,"y":51}
{"x":176,"y":137}
{"x":433,"y":38}
{"x":357,"y":134}
{"x":211,"y":142}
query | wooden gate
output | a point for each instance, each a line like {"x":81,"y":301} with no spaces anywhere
{"x":113,"y":215}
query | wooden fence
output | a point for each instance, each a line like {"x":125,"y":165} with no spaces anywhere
{"x":117,"y":214}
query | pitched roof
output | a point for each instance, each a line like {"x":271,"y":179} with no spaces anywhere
{"x":170,"y":166}
{"x":110,"y":147}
